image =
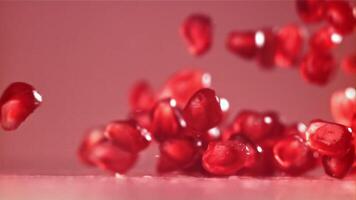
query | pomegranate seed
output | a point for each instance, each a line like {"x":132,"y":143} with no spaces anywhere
{"x":182,"y":85}
{"x":128,"y":135}
{"x":203,"y":139}
{"x":250,"y":146}
{"x":292,"y":155}
{"x":175,"y":154}
{"x":203,"y":111}
{"x":311,"y":11}
{"x":338,"y":167}
{"x":325,"y":39}
{"x":92,"y":137}
{"x":329,"y":138}
{"x":142,"y":118}
{"x":142,"y":97}
{"x":343,"y":105}
{"x":317,"y":67}
{"x":242,"y":43}
{"x":296,"y":129}
{"x":349,"y":64}
{"x":109,"y":156}
{"x":167,"y":121}
{"x":267,"y":41}
{"x":18,"y":101}
{"x":289,"y":46}
{"x":225,"y":158}
{"x":197,"y":32}
{"x":340,"y":16}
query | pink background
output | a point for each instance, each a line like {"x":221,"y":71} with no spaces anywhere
{"x":84,"y":56}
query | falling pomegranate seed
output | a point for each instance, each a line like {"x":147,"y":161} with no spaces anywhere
{"x":225,"y":158}
{"x":349,"y":64}
{"x":183,"y":84}
{"x":289,"y":46}
{"x":92,"y":137}
{"x":17,"y":102}
{"x":343,"y":105}
{"x":317,"y":67}
{"x":311,"y":11}
{"x":167,"y":121}
{"x":266,"y":41}
{"x":242,"y":43}
{"x":176,"y":154}
{"x":325,"y":39}
{"x":338,"y":167}
{"x":292,"y":155}
{"x":197,"y":32}
{"x":142,"y":97}
{"x":340,"y":16}
{"x":329,"y":138}
{"x":128,"y":135}
{"x":203,"y":111}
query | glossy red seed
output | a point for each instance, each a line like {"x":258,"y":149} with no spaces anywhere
{"x":17,"y":102}
{"x":142,"y":97}
{"x":92,"y":137}
{"x":242,"y":43}
{"x":349,"y":64}
{"x":292,"y":155}
{"x":325,"y":39}
{"x":338,"y":167}
{"x":340,"y":16}
{"x":128,"y":135}
{"x":311,"y":11}
{"x":225,"y":158}
{"x":329,"y":138}
{"x":167,"y":121}
{"x":317,"y":68}
{"x":183,"y":84}
{"x":109,"y":156}
{"x":203,"y":111}
{"x":343,"y":105}
{"x":266,"y":41}
{"x":197,"y":32}
{"x":289,"y":46}
{"x":142,"y":118}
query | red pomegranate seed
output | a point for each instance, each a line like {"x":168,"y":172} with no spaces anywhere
{"x":203,"y":139}
{"x":340,"y":16}
{"x":329,"y":138}
{"x":225,"y":158}
{"x":296,"y":129}
{"x":292,"y":155}
{"x":242,"y":43}
{"x":203,"y":111}
{"x":317,"y":68}
{"x":92,"y":137}
{"x":311,"y":11}
{"x":343,"y":105}
{"x":266,"y":41}
{"x":289,"y":46}
{"x":109,"y":156}
{"x":176,"y":154}
{"x":167,"y":121}
{"x":197,"y":32}
{"x":128,"y":135}
{"x":325,"y":39}
{"x":142,"y":118}
{"x":182,"y":85}
{"x":18,"y":101}
{"x":142,"y":97}
{"x":349,"y":64}
{"x":338,"y":167}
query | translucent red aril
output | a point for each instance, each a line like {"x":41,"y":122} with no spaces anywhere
{"x":177,"y":153}
{"x":203,"y":111}
{"x":311,"y":10}
{"x":325,"y":39}
{"x":343,"y":105}
{"x":292,"y":155}
{"x":92,"y":137}
{"x":142,"y":97}
{"x":242,"y":43}
{"x":128,"y":135}
{"x":289,"y":46}
{"x":338,"y":167}
{"x":197,"y":32}
{"x":340,"y":16}
{"x":167,"y":121}
{"x":225,"y":158}
{"x":142,"y":118}
{"x":329,"y":138}
{"x":266,"y":41}
{"x":17,"y":102}
{"x":317,"y":67}
{"x":349,"y":64}
{"x":183,"y":84}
